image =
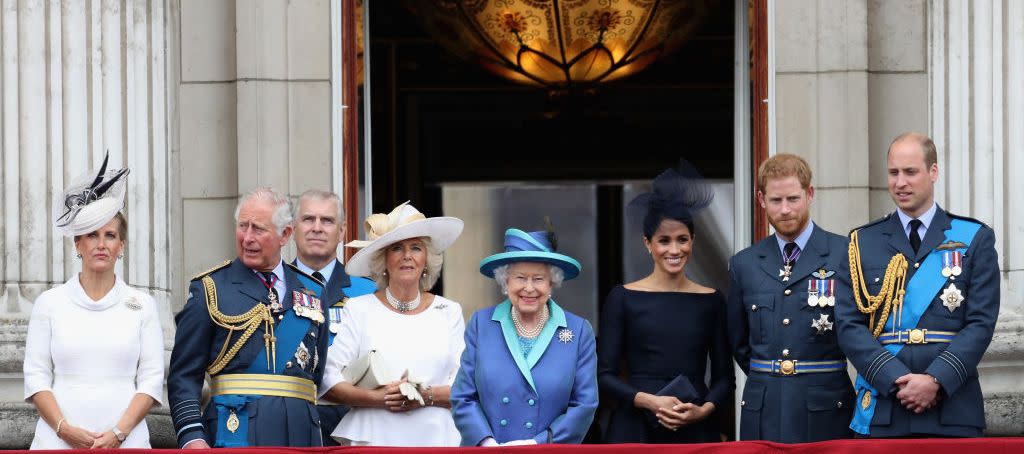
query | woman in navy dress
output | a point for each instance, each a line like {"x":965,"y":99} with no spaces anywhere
{"x":659,"y":335}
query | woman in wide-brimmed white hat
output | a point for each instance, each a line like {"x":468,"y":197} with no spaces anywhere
{"x":404,"y":337}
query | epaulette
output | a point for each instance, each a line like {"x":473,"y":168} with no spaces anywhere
{"x":215,"y":268}
{"x":966,"y":218}
{"x":876,"y":221}
{"x":297,"y":270}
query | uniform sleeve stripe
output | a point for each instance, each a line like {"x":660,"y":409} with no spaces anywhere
{"x":955,"y":368}
{"x":957,"y":359}
{"x":879,"y":368}
{"x":185,"y":402}
{"x":956,"y":363}
{"x":190,"y":426}
{"x":876,"y":363}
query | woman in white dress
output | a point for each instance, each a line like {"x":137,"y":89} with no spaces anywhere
{"x":94,"y":362}
{"x":416,"y":337}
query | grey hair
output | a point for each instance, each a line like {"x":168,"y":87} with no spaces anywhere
{"x":324,"y":195}
{"x":501,"y":276}
{"x":282,"y":216}
{"x":435,"y":259}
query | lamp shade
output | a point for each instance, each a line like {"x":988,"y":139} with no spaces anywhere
{"x":561,"y":43}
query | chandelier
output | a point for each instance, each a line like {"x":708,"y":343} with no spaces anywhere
{"x":561,"y":43}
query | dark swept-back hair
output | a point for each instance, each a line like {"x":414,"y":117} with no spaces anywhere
{"x":676,"y":194}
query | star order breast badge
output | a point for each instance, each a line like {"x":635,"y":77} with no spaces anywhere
{"x":951,"y":297}
{"x":565,"y":335}
{"x":821,"y":324}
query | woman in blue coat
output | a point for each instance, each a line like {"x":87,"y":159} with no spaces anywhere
{"x":529,"y":371}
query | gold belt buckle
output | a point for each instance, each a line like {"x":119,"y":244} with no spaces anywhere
{"x":917,"y":336}
{"x":787,"y":367}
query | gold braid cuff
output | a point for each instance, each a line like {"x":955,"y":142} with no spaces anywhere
{"x":247,"y":323}
{"x":889,"y":298}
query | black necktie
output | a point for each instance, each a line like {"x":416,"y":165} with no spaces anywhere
{"x":319,"y":277}
{"x":790,"y":253}
{"x":270,"y":278}
{"x":915,"y":238}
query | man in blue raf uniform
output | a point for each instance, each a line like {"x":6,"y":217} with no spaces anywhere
{"x":319,"y":228}
{"x":783,"y":293}
{"x":917,"y":352}
{"x":257,"y":327}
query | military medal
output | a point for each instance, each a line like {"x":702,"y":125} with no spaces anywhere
{"x":951,"y":297}
{"x":232,"y":422}
{"x":821,"y":324}
{"x":275,"y":303}
{"x":302,"y":355}
{"x":947,"y":264}
{"x":307,"y":306}
{"x":812,"y":292}
{"x":957,"y":268}
{"x":830,"y":297}
{"x":785,"y":272}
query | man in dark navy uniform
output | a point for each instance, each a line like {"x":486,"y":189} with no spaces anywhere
{"x":917,"y":353}
{"x":783,"y":293}
{"x":319,"y":229}
{"x":256,"y":326}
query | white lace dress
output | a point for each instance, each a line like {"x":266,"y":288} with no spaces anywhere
{"x":94,"y":356}
{"x":428,"y":344}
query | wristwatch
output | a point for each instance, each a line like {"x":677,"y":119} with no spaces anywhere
{"x":121,"y":436}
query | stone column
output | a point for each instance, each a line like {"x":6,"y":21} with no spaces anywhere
{"x":78,"y":79}
{"x":975,"y":113}
{"x":255,"y":110}
{"x":820,"y":102}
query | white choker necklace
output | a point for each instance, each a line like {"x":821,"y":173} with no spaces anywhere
{"x":399,"y":305}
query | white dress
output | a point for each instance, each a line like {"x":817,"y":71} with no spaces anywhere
{"x":94,"y":356}
{"x":428,"y":344}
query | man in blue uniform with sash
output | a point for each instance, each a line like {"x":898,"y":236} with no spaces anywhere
{"x":783,"y":294}
{"x":256,"y":325}
{"x":926,"y":299}
{"x":319,"y":228}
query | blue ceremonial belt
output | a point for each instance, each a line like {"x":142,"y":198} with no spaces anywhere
{"x":795,"y":367}
{"x":921,"y":290}
{"x":917,"y":336}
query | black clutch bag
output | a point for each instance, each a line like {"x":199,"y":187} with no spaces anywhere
{"x":682,"y":389}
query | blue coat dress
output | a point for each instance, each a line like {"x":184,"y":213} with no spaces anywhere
{"x":953,"y":362}
{"x":549,"y":396}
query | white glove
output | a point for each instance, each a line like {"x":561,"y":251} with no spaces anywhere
{"x":529,"y":441}
{"x":410,"y":392}
{"x":489,"y":442}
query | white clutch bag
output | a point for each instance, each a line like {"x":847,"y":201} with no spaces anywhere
{"x":368,"y":371}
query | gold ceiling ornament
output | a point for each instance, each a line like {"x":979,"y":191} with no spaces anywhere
{"x":561,"y":43}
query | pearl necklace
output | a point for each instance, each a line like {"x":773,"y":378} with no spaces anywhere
{"x":400,"y":305}
{"x":542,"y":319}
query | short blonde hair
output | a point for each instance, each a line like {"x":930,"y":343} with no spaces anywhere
{"x":782,"y":166}
{"x":435,"y":260}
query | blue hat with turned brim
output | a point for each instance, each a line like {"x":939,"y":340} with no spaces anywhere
{"x":523,"y":246}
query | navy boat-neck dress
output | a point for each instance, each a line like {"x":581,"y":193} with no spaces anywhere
{"x":647,"y":340}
